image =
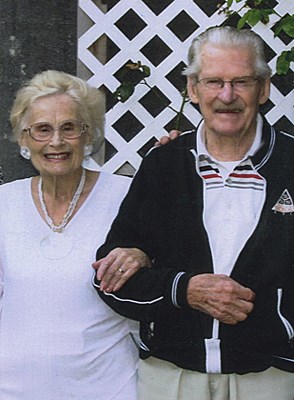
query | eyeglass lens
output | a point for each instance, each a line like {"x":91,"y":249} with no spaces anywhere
{"x":44,"y":131}
{"x":239,"y":83}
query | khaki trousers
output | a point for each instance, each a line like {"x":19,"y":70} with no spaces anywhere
{"x":161,"y":380}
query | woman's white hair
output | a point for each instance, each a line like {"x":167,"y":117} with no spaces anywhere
{"x":230,"y":37}
{"x":90,"y":101}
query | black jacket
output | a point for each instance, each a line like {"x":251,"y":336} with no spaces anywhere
{"x":162,"y":215}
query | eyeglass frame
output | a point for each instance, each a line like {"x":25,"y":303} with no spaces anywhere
{"x":83,"y":129}
{"x":232,"y":82}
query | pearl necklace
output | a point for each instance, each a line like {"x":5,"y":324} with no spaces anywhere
{"x":72,"y":205}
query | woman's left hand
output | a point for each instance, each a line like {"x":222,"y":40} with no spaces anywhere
{"x":114,"y":270}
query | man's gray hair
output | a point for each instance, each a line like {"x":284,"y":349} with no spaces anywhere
{"x":230,"y":37}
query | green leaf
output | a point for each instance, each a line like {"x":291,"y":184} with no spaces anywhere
{"x":229,"y":3}
{"x":146,"y":70}
{"x":242,"y":21}
{"x":285,"y":24}
{"x":288,"y":26}
{"x":124,"y":91}
{"x":253,"y":17}
{"x":283,"y":61}
{"x":265,"y":13}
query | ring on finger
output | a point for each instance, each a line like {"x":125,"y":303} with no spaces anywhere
{"x":121,"y":270}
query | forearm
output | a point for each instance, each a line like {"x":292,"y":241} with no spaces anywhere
{"x":146,"y":292}
{"x":142,"y":223}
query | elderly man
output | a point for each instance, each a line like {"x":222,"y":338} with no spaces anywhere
{"x":214,"y":211}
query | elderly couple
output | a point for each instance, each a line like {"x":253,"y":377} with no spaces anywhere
{"x":201,"y":251}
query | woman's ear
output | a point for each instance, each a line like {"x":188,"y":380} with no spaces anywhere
{"x":192,"y":90}
{"x":88,"y":146}
{"x":88,"y":135}
{"x":22,"y":140}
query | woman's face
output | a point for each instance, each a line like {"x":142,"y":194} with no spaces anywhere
{"x":57,"y":156}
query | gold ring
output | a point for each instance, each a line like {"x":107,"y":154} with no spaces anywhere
{"x":120,"y":270}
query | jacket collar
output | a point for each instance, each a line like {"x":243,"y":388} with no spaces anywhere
{"x":261,"y":156}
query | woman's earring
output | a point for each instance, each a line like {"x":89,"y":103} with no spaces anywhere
{"x":25,"y":152}
{"x":88,"y":148}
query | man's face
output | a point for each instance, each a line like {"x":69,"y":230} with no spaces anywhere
{"x":228,"y":110}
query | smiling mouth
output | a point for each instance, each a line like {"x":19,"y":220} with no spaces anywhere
{"x":59,"y":156}
{"x":229,"y":111}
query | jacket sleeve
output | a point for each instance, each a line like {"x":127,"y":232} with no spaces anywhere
{"x":137,"y":225}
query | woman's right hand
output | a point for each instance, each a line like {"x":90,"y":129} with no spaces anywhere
{"x":114,"y":270}
{"x":173,"y":134}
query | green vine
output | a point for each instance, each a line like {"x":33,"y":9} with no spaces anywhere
{"x":134,"y":73}
{"x":259,"y":11}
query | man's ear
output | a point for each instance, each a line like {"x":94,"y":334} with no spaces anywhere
{"x":264,"y":91}
{"x":192,"y":90}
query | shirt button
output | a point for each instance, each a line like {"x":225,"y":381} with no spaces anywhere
{"x":229,"y":181}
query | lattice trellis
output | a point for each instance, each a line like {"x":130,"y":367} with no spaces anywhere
{"x":158,"y":33}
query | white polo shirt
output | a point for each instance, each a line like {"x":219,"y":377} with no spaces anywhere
{"x":233,"y":194}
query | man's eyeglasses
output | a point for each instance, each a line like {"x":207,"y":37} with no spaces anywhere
{"x":42,"y":131}
{"x":241,"y":83}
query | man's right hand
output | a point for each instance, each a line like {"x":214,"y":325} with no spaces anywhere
{"x":220,"y":297}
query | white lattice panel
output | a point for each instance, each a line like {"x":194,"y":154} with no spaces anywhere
{"x":103,"y":74}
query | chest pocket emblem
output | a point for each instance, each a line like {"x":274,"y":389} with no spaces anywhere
{"x":285,"y":204}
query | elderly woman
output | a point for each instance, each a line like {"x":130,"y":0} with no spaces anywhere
{"x":58,"y":340}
